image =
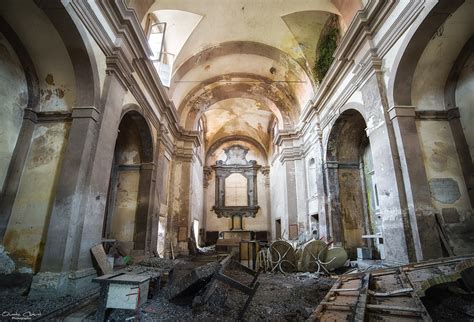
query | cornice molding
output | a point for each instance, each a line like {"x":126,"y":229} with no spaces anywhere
{"x":50,"y":116}
{"x":363,"y":27}
{"x":128,"y":56}
{"x":438,"y":115}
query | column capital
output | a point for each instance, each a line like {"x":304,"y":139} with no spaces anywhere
{"x":86,"y":112}
{"x":331,"y":165}
{"x":401,"y":111}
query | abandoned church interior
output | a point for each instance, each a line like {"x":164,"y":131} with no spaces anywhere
{"x":237,"y":160}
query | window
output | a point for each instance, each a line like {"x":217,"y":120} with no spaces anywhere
{"x":162,"y":60}
{"x":236,"y":190}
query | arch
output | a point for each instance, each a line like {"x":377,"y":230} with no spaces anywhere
{"x":462,"y":140}
{"x":26,"y":62}
{"x":145,"y":130}
{"x":247,"y":139}
{"x":347,"y":149}
{"x":74,"y":36}
{"x":400,"y":84}
{"x":129,"y":194}
{"x":238,"y":47}
{"x":276,"y":97}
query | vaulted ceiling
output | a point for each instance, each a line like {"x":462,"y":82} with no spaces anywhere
{"x":242,"y":65}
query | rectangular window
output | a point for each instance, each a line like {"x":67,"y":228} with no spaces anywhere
{"x":162,"y":60}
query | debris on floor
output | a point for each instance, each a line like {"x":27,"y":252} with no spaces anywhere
{"x":393,"y":293}
{"x":7,"y":265}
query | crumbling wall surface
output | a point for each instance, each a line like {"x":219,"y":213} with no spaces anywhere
{"x":352,"y":207}
{"x":465,"y":101}
{"x":13,"y":100}
{"x":197,"y":192}
{"x":126,"y":187}
{"x":440,"y":136}
{"x":24,"y":237}
{"x":47,"y":51}
{"x":448,"y":191}
{"x":179,"y":199}
{"x":279,"y":207}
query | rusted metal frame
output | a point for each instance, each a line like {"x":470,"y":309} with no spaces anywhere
{"x":248,"y":290}
{"x":212,"y":285}
{"x":249,"y":299}
{"x":233,"y":283}
{"x":248,"y":270}
{"x":362,"y":299}
{"x":406,"y":282}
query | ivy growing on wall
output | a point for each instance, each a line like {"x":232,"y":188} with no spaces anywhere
{"x":326,"y":47}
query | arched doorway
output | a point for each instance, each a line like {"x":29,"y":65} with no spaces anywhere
{"x":130,"y":184}
{"x":351,"y":183}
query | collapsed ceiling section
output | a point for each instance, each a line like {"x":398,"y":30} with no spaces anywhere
{"x":241,"y":66}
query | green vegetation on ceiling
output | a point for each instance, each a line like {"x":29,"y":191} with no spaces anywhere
{"x":326,"y":47}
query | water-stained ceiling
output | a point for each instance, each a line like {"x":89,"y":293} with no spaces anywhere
{"x":242,"y":65}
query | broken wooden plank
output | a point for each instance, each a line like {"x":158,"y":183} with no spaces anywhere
{"x":196,"y":279}
{"x":402,"y":291}
{"x":101,"y":258}
{"x":362,"y":299}
{"x":393,"y":308}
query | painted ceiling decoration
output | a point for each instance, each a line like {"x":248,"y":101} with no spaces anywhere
{"x":242,"y":70}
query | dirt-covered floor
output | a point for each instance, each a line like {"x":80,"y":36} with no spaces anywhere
{"x":278,"y":298}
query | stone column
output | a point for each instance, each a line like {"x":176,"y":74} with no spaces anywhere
{"x":334,"y":225}
{"x":144,"y":212}
{"x":160,"y":180}
{"x":291,"y":196}
{"x":422,"y":219}
{"x":396,"y":225}
{"x":266,"y":173}
{"x":178,"y":212}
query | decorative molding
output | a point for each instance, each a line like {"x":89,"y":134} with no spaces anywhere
{"x":47,"y":116}
{"x":86,"y":112}
{"x":127,"y":57}
{"x":438,"y":115}
{"x":236,"y":162}
{"x":401,"y":111}
{"x":207,"y":176}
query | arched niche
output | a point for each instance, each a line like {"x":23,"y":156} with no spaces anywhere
{"x":352,"y":187}
{"x":128,"y":201}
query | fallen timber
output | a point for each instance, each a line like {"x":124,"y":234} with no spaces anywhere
{"x":219,"y":276}
{"x":389,"y":294}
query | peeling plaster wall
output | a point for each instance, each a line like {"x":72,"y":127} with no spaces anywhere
{"x":47,"y":51}
{"x":123,"y":220}
{"x":179,"y":203}
{"x":279,"y":207}
{"x":26,"y":232}
{"x":448,"y":191}
{"x":465,"y":101}
{"x":444,"y":172}
{"x":438,"y":58}
{"x":197,"y":195}
{"x":128,"y":163}
{"x":13,"y":100}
